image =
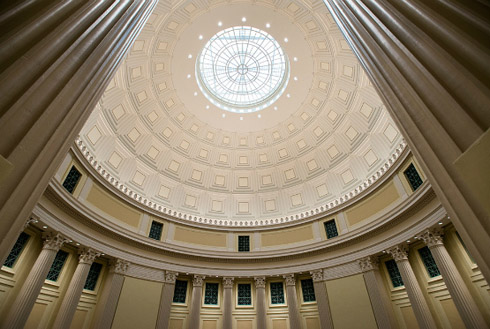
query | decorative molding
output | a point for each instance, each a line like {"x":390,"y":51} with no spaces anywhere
{"x":119,"y":266}
{"x":399,"y":253}
{"x":87,"y":256}
{"x":32,"y":220}
{"x":170,"y":277}
{"x":341,"y":271}
{"x":432,"y":237}
{"x":53,"y":241}
{"x":259,"y":281}
{"x":368,"y":263}
{"x":317,"y":275}
{"x":197,"y":280}
{"x":290,"y":279}
{"x":228,"y":282}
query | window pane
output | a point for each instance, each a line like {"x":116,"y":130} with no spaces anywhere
{"x":396,"y":278}
{"x":156,"y":230}
{"x":244,"y":294}
{"x":16,"y":250}
{"x":277,"y":293}
{"x":57,"y":266}
{"x":93,"y":276}
{"x":72,"y":179}
{"x":413,"y":177}
{"x":331,"y":229}
{"x":429,"y":262}
{"x":308,"y":290}
{"x":211,"y":294}
{"x":243,"y":243}
{"x":180,"y":291}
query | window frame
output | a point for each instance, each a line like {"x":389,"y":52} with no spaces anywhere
{"x":63,"y":271}
{"x":99,"y":279}
{"x":19,"y":258}
{"x":149,"y":230}
{"x":249,"y":242}
{"x":252,"y":296}
{"x":186,"y":293}
{"x":325,"y":228}
{"x":81,"y":181}
{"x":269,"y":291}
{"x":220,"y":297}
{"x":301,"y":291}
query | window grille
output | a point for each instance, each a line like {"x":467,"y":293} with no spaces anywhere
{"x":16,"y":250}
{"x":93,"y":276}
{"x":180,"y":291}
{"x":429,"y":262}
{"x":243,"y":243}
{"x":57,"y":266}
{"x":244,"y":294}
{"x":308,"y":290}
{"x":156,"y":230}
{"x":331,"y":229}
{"x":72,"y":179}
{"x":211,"y":294}
{"x":413,"y":177}
{"x":395,"y":276}
{"x":277,"y":293}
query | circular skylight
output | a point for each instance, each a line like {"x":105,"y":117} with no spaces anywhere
{"x":242,"y":69}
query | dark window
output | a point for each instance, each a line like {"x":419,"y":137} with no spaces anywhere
{"x":277,"y":293}
{"x":396,"y":278}
{"x":308,"y":290}
{"x":211,"y":294}
{"x":331,"y":229}
{"x":180,"y":291}
{"x":413,"y":177}
{"x":429,"y":262}
{"x":57,"y":266}
{"x":72,"y":179}
{"x":156,"y":230}
{"x":93,"y":276}
{"x":243,"y":243}
{"x":244,"y":294}
{"x":16,"y":250}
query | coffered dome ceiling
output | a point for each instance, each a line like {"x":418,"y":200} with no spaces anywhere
{"x":158,"y":139}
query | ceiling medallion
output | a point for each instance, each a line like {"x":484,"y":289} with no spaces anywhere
{"x":242,"y":69}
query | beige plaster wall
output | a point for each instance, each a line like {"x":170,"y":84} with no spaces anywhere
{"x":287,"y":236}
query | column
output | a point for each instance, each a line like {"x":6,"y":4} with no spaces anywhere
{"x":53,"y":70}
{"x":415,"y":295}
{"x":382,"y":308}
{"x":195,"y":311}
{"x":322,"y":299}
{"x":107,"y":303}
{"x":261,"y":302}
{"x":465,"y":304}
{"x":227,"y":302}
{"x":74,"y":291}
{"x":418,"y":55}
{"x":24,"y":302}
{"x":166,"y":300}
{"x":293,"y":310}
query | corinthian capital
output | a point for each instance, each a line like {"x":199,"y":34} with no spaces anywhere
{"x":171,"y":277}
{"x":368,"y":263}
{"x":259,"y":282}
{"x":399,"y":252}
{"x":119,"y":266}
{"x":197,"y":280}
{"x":228,"y":282}
{"x":53,"y":241}
{"x":317,"y":275}
{"x":432,"y":237}
{"x":87,"y":256}
{"x":290,"y":279}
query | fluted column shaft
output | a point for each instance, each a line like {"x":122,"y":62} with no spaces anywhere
{"x":24,"y":302}
{"x":261,"y":302}
{"x":166,"y":300}
{"x":107,"y":303}
{"x":56,"y":61}
{"x":383,"y":312}
{"x":322,"y":299}
{"x":292,"y":297}
{"x":424,"y":58}
{"x":227,"y":302}
{"x":415,"y":295}
{"x":195,"y":311}
{"x":74,"y":291}
{"x":467,"y":308}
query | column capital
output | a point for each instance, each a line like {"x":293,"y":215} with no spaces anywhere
{"x":432,"y":237}
{"x":32,"y":220}
{"x":171,"y":277}
{"x":399,"y":252}
{"x":87,"y":256}
{"x":317,"y":275}
{"x":259,"y":281}
{"x":197,"y":280}
{"x":290,"y":279}
{"x":228,"y":282}
{"x":368,"y":263}
{"x":53,"y":241}
{"x":119,"y":266}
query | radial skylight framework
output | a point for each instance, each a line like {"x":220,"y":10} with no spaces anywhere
{"x":242,"y":69}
